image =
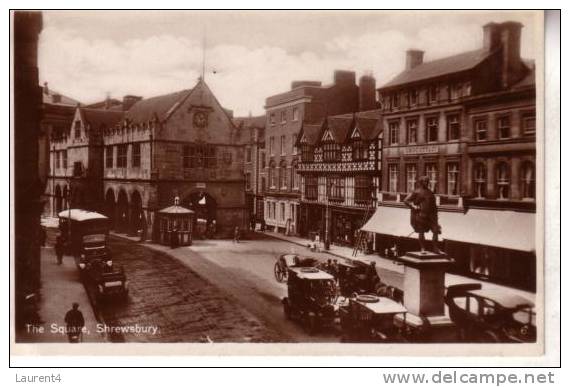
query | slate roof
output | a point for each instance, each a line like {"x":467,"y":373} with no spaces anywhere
{"x":529,"y":79}
{"x":312,"y":132}
{"x":100,"y":118}
{"x":339,"y":127}
{"x":369,"y":123}
{"x":48,"y":97}
{"x":161,"y":106}
{"x":436,"y":68}
{"x":252,"y":122}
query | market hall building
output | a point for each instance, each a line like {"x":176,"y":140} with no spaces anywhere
{"x":468,"y":123}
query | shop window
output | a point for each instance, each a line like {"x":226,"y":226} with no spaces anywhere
{"x":432,"y":127}
{"x":394,"y":128}
{"x":393,"y":177}
{"x":311,"y":187}
{"x":452,"y":179}
{"x":122,"y":156}
{"x":136,"y":159}
{"x":411,"y":177}
{"x":528,"y":180}
{"x":503,"y":181}
{"x":412,"y":131}
{"x":480,"y":180}
{"x":431,"y":173}
{"x":453,"y":127}
{"x":481,"y":129}
{"x":504,"y":126}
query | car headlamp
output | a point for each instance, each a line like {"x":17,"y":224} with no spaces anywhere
{"x":82,"y":265}
{"x":109,"y":263}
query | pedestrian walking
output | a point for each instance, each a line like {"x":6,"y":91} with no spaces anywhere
{"x":74,"y":323}
{"x":59,"y":249}
{"x":236,"y":234}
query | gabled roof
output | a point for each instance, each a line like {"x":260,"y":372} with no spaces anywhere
{"x":340,"y":127}
{"x":101,"y":118}
{"x":369,"y":123}
{"x":436,"y":68}
{"x":161,"y":106}
{"x":311,"y":132}
{"x":53,"y":97}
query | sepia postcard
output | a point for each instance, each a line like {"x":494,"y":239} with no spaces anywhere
{"x":278,"y":183}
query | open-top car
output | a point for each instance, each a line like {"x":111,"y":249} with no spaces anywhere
{"x":311,"y":295}
{"x":356,"y":276}
{"x":285,"y":261}
{"x":371,"y":318}
{"x":491,"y":315}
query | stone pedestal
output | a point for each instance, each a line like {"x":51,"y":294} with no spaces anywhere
{"x":424,"y":288}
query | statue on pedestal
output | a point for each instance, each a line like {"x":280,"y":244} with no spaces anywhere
{"x":424,"y":213}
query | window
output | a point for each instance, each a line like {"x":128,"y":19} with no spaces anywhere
{"x":413,"y":97}
{"x":263,"y":185}
{"x":467,"y":89}
{"x":453,"y":127}
{"x":394,"y":128}
{"x":432,"y":94}
{"x":503,"y":182}
{"x":77,"y":129}
{"x":248,"y":181}
{"x":283,"y":145}
{"x":504,"y":127}
{"x":283,"y":117}
{"x":273,"y":210}
{"x":263,"y":161}
{"x":271,"y":145}
{"x":311,"y":187}
{"x":480,"y":180}
{"x":293,"y":146}
{"x":272,"y":118}
{"x":307,"y":154}
{"x":455,"y":90}
{"x":187,"y":156}
{"x":362,"y":188}
{"x":431,"y":173}
{"x":412,"y":131}
{"x":396,"y":100}
{"x":359,"y":150}
{"x":283,"y":175}
{"x":56,"y":156}
{"x":481,"y":130}
{"x":335,"y":188}
{"x":109,"y":157}
{"x":527,"y":183}
{"x":248,"y":151}
{"x":295,"y":114}
{"x":331,"y":152}
{"x":122,"y":156}
{"x":432,"y":125}
{"x":294,"y":175}
{"x":136,"y":160}
{"x":529,"y":124}
{"x":393,"y":177}
{"x":452,"y":179}
{"x":411,"y":177}
{"x":272,"y":177}
{"x":64,"y":158}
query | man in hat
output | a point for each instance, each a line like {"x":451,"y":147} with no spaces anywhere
{"x":74,"y":322}
{"x":424,"y":213}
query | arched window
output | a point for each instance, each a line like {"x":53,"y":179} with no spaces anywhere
{"x":503,"y":181}
{"x":272,"y":177}
{"x":480,"y":180}
{"x":283,"y":175}
{"x":528,"y":187}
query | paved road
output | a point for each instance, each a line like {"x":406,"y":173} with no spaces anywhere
{"x":241,"y":274}
{"x":182,"y":305}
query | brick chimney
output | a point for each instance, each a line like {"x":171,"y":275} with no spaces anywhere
{"x":513,"y":68}
{"x":344,"y":78}
{"x":414,"y":58}
{"x":366,"y":93}
{"x":491,"y":36}
{"x":129,"y":101}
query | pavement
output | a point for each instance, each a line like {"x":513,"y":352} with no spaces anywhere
{"x":61,"y":286}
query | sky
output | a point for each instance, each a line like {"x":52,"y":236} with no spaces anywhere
{"x":248,"y":56}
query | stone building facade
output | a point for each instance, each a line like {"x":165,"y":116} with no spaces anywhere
{"x":468,"y":123}
{"x":308,"y":102}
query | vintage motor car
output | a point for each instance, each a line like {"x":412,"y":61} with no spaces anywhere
{"x":84,"y":236}
{"x":311,"y":297}
{"x":108,"y":282}
{"x":371,"y":318}
{"x":490,"y":315}
{"x":359,"y":277}
{"x":285,"y":261}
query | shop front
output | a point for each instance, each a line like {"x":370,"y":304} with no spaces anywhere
{"x":345,"y":225}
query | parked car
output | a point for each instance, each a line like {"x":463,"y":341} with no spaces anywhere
{"x":491,"y":315}
{"x":285,"y":261}
{"x":311,"y":295}
{"x":371,"y":318}
{"x":358,"y":277}
{"x":108,"y":282}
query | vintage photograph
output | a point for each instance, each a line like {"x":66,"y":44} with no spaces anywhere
{"x":283,"y":177}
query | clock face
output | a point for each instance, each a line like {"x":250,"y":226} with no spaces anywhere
{"x":200,"y":119}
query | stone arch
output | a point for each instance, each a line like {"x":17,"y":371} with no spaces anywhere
{"x":122,"y":220}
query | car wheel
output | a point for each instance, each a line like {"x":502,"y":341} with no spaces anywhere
{"x":278,"y":272}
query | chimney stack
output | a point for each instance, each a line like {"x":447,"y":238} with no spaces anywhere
{"x":414,"y":58}
{"x":344,"y":78}
{"x":366,"y":93}
{"x":491,"y":36}
{"x":507,"y":38}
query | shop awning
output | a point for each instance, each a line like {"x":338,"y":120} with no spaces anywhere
{"x":505,"y":229}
